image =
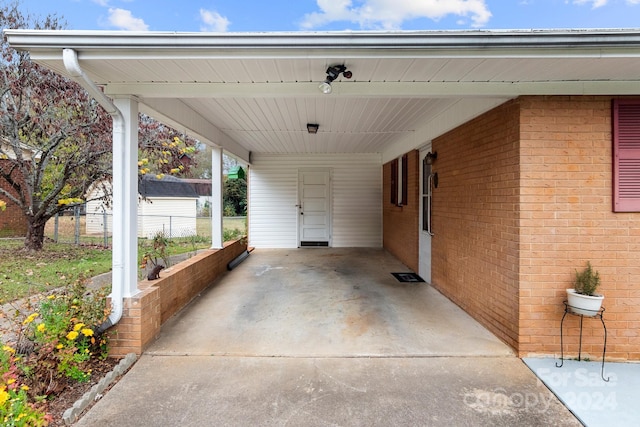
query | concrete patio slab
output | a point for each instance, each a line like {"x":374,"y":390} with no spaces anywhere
{"x":256,"y":391}
{"x":326,"y":337}
{"x":324,"y":303}
{"x":597,"y":403}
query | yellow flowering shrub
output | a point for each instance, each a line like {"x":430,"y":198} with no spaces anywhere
{"x":30,"y":318}
{"x":70,"y":201}
{"x":61,"y":327}
{"x":15,"y":407}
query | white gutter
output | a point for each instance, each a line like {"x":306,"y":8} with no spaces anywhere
{"x":70,"y":59}
{"x":141,"y":41}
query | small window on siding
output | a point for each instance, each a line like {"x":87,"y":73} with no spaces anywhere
{"x":394,"y":182}
{"x":626,"y":155}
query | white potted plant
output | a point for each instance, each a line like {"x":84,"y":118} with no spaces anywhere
{"x":582,"y":298}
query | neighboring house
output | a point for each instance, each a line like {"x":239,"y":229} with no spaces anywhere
{"x":202,"y":187}
{"x":494,"y":163}
{"x":13,"y":222}
{"x":167,"y":205}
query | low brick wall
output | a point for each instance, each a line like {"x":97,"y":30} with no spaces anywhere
{"x":158,"y":300}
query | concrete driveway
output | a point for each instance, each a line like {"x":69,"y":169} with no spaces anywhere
{"x":326,"y":337}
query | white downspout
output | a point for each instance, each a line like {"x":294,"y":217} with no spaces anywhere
{"x":70,"y":59}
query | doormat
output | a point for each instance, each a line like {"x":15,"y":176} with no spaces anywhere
{"x":408,"y":277}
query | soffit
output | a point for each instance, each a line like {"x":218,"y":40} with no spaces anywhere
{"x":261,"y":91}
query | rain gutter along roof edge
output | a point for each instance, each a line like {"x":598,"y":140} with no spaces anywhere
{"x":49,"y":39}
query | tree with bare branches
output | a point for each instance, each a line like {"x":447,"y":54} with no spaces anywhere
{"x":55,"y":139}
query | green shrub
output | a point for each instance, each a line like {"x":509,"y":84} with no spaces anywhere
{"x":587,"y":281}
{"x":228,"y":235}
{"x":15,"y":407}
{"x":156,"y":251}
{"x":56,"y":343}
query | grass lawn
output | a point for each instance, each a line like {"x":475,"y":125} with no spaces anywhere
{"x":23,"y":273}
{"x":235,"y":223}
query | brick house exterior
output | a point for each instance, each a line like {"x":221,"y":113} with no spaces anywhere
{"x":12,"y":221}
{"x":400,"y":223}
{"x":523,"y":133}
{"x":524,"y":199}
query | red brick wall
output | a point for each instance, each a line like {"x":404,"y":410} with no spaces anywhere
{"x":12,"y":221}
{"x":567,"y":220}
{"x":400,"y":223}
{"x":160,"y":299}
{"x":476,"y":216}
{"x":524,"y":199}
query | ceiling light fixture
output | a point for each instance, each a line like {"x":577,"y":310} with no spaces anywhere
{"x":333,"y":72}
{"x":312,"y":128}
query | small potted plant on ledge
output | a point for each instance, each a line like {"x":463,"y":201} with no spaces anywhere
{"x":582,"y":299}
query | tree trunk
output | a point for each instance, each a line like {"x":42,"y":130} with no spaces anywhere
{"x":35,"y":235}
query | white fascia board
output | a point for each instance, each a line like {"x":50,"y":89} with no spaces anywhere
{"x":176,"y":114}
{"x":44,"y":45}
{"x":349,"y":41}
{"x":372,"y":89}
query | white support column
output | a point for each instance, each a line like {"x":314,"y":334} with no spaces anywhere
{"x":216,"y":198}
{"x":125,"y":199}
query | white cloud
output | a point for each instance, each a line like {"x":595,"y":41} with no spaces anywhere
{"x":213,"y":21}
{"x":104,"y":3}
{"x":594,"y":3}
{"x":390,"y":14}
{"x":124,"y":20}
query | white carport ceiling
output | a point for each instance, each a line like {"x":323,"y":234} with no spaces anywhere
{"x":257,"y":92}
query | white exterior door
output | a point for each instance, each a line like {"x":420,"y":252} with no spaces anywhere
{"x":314,"y":207}
{"x":424,"y":261}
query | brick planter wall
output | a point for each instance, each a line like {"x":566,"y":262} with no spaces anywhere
{"x":160,"y":299}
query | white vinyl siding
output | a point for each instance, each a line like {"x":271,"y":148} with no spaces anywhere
{"x":97,"y":213}
{"x":175,"y":216}
{"x":356,"y":190}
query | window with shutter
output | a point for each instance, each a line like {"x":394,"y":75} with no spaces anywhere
{"x":626,"y":155}
{"x":405,"y":180}
{"x":394,"y":182}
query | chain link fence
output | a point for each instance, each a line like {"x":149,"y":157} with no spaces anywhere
{"x":76,"y":226}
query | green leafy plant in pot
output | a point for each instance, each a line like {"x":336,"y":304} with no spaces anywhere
{"x":582,"y":298}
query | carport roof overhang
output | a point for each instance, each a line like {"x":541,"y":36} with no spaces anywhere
{"x":255,"y":92}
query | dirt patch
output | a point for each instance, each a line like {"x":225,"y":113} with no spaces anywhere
{"x":74,"y":390}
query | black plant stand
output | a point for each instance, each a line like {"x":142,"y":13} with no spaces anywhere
{"x":568,"y":309}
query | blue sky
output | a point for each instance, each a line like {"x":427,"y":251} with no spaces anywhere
{"x":330,"y":15}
